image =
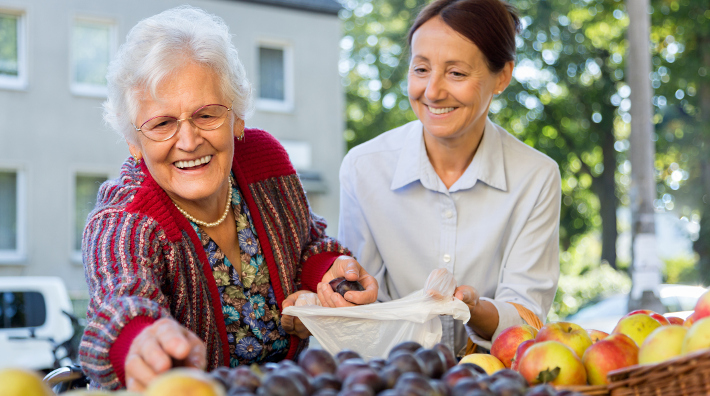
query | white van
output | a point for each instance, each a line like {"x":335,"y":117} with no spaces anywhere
{"x":32,"y":321}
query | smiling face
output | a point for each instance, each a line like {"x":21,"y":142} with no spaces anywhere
{"x":193,"y":166}
{"x":450,"y":86}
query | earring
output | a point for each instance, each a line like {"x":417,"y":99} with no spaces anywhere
{"x":138,"y":160}
{"x":240,"y":138}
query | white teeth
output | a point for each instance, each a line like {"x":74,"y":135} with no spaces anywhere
{"x":191,"y":163}
{"x":442,"y":110}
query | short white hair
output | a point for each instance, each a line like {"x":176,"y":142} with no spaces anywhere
{"x":161,"y":44}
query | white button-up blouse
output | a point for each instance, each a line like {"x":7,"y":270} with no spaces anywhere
{"x":496,"y":228}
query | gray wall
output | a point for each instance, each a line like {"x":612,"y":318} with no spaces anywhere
{"x":50,"y":134}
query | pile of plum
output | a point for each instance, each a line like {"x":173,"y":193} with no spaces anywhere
{"x":409,"y":370}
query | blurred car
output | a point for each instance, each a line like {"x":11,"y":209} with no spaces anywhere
{"x":679,"y":300}
{"x":35,"y":322}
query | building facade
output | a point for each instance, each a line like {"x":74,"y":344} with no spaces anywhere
{"x":55,"y":149}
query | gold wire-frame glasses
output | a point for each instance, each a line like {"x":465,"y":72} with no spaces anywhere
{"x":207,"y":118}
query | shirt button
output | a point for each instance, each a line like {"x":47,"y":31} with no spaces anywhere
{"x":447,"y":258}
{"x":449,"y":214}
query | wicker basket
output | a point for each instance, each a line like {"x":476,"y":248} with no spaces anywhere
{"x":589,"y":390}
{"x":684,"y":376}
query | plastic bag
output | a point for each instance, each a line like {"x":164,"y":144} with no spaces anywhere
{"x":372,"y":330}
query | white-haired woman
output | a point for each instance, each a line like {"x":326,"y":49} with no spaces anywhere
{"x":192,"y":253}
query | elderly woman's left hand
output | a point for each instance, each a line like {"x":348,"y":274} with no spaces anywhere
{"x":291,"y":324}
{"x":348,"y":268}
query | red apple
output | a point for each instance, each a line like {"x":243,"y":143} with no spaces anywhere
{"x":655,"y":315}
{"x":664,"y":343}
{"x":674,"y":320}
{"x":552,"y":362}
{"x":697,"y":337}
{"x":614,"y":352}
{"x":702,"y":307}
{"x":637,"y":326}
{"x":597,"y":335}
{"x":568,"y":333}
{"x":689,"y":320}
{"x":519,"y":353}
{"x":505,"y":345}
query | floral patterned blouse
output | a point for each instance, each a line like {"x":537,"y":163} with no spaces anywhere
{"x":249,"y":307}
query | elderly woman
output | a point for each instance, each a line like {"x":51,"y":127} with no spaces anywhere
{"x":453,"y":190}
{"x":192,"y":253}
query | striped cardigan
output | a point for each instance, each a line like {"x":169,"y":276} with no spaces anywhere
{"x":143,"y":260}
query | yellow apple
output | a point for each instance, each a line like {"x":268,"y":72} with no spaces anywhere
{"x":596,"y":335}
{"x":505,"y":345}
{"x":184,"y":382}
{"x":662,"y":344}
{"x":552,"y":362}
{"x":637,"y":327}
{"x":487,"y":362}
{"x":21,"y":382}
{"x":612,"y":353}
{"x":568,"y":333}
{"x":697,"y":337}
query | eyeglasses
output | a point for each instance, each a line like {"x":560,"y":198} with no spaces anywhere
{"x":162,"y":128}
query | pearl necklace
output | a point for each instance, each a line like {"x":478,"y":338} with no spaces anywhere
{"x":221,"y":219}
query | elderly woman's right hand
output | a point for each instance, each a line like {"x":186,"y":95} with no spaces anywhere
{"x":159,"y":347}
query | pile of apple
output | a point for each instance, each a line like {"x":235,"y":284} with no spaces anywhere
{"x":563,"y":353}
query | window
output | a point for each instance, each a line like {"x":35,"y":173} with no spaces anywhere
{"x":12,"y":50}
{"x":275,"y":78}
{"x":87,"y":187}
{"x":11,"y":225}
{"x":22,"y":309}
{"x":93,"y":44}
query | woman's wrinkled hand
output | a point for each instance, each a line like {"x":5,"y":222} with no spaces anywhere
{"x":348,"y":268}
{"x":159,"y":347}
{"x":292,"y":324}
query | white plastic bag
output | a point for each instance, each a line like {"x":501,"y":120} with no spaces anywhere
{"x":372,"y":330}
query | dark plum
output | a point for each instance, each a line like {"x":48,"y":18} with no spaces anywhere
{"x":458,"y":373}
{"x":507,"y":387}
{"x":326,"y":381}
{"x":434,"y":362}
{"x":365,"y":376}
{"x":416,"y":382}
{"x":317,"y":361}
{"x":411,"y":346}
{"x":466,"y":386}
{"x":298,"y":374}
{"x":223,"y":375}
{"x":439,"y":386}
{"x":346,"y":354}
{"x":377,"y":363}
{"x":541,"y":390}
{"x":269,"y":367}
{"x":347,"y":367}
{"x":342,"y":286}
{"x":511,"y":375}
{"x":243,"y":376}
{"x":240,"y":391}
{"x":475,"y":368}
{"x":568,"y":392}
{"x":406,"y":362}
{"x":357,"y":390}
{"x":390,"y":375}
{"x":448,"y":354}
{"x":279,"y":384}
{"x":326,"y":392}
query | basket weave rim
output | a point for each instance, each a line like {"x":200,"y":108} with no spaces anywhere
{"x":676,"y":366}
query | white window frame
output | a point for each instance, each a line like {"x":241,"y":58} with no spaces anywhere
{"x":19,"y":254}
{"x":273,"y":105}
{"x":81,"y":170}
{"x":84,"y":89}
{"x":20,"y":82}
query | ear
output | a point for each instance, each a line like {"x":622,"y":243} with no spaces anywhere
{"x":238,"y":128}
{"x":135,"y":151}
{"x":504,"y":77}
